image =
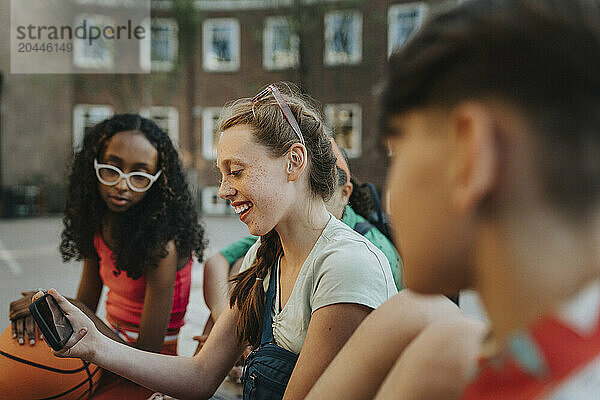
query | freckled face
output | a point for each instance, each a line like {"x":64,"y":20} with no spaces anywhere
{"x":254,"y":182}
{"x":129,"y":151}
{"x":430,"y":232}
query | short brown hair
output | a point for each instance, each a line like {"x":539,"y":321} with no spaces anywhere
{"x":543,"y":56}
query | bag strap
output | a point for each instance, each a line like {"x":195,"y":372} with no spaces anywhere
{"x":363,"y":227}
{"x":267,"y":326}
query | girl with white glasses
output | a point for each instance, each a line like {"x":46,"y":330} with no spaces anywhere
{"x":129,"y":215}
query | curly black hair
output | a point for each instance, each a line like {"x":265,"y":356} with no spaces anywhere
{"x":140,"y":234}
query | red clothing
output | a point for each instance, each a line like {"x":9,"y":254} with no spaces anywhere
{"x":125,"y":298}
{"x":557,"y":358}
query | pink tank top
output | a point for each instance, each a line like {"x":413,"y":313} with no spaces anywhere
{"x":125,"y":298}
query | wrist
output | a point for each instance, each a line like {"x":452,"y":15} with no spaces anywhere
{"x":99,"y":345}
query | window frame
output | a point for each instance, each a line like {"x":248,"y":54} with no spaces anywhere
{"x":330,"y":109}
{"x":80,"y":58}
{"x":209,"y":149}
{"x":330,"y":56}
{"x":207,"y":35}
{"x":269,"y":63}
{"x":146,"y":61}
{"x":420,"y":7}
{"x":171,"y":114}
{"x":79,"y":121}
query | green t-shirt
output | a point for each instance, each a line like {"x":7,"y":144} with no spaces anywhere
{"x":238,"y":249}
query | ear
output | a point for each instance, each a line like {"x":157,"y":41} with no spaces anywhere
{"x":297,"y":161}
{"x":347,"y":190}
{"x":476,"y":158}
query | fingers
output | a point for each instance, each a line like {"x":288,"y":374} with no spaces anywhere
{"x":30,"y":330}
{"x":63,"y":303}
{"x":21,"y":330}
{"x":73,"y":340}
{"x":14,"y":329}
{"x":37,"y":295}
{"x":19,"y":308}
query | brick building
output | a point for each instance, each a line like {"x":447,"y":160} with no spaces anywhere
{"x":203,"y":54}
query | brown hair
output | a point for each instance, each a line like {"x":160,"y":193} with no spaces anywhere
{"x":542,"y":56}
{"x":272,"y":130}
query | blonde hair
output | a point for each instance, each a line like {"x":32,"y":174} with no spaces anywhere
{"x":271,"y":129}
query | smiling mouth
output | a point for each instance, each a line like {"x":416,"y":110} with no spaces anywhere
{"x":242,"y":209}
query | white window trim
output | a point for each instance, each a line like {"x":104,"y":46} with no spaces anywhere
{"x":146,"y":62}
{"x":329,"y":57}
{"x":329,"y":111}
{"x":80,"y":59}
{"x":208,"y":114}
{"x":172,"y":116}
{"x":167,"y":65}
{"x":207,"y":26}
{"x":396,"y":9}
{"x":268,"y":62}
{"x":208,"y":193}
{"x":79,"y":111}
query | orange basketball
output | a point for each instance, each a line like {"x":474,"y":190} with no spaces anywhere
{"x":33,"y":372}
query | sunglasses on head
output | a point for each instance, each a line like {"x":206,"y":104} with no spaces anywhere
{"x":287,"y":113}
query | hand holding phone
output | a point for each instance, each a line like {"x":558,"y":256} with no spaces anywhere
{"x":51,"y":320}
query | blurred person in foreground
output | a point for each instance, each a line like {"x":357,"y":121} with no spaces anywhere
{"x":492,"y":115}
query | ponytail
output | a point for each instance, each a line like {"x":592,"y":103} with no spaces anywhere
{"x":248,"y":293}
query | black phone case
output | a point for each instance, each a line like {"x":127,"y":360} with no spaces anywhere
{"x":49,"y":337}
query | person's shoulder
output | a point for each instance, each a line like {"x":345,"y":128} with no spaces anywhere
{"x":342,"y":242}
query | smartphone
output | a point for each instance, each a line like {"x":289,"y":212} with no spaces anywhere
{"x":53,"y":323}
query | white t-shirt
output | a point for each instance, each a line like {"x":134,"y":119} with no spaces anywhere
{"x":342,"y":267}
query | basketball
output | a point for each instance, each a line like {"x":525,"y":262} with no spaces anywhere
{"x":33,"y":372}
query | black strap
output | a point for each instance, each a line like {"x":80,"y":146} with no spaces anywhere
{"x":267,"y":326}
{"x":363,"y":227}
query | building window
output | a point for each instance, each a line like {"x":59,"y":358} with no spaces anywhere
{"x":212,"y":204}
{"x":403,"y":21}
{"x":99,"y":54}
{"x":210,"y":133}
{"x":161,"y":55}
{"x":221,"y":44}
{"x":343,"y":38}
{"x":85,"y":116}
{"x":345,"y":123}
{"x":167,"y":118}
{"x":280,"y":44}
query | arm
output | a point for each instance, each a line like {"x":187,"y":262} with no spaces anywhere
{"x":216,"y":284}
{"x":88,"y":296}
{"x":158,"y":301}
{"x":329,"y":328}
{"x":437,"y":363}
{"x":181,"y":377}
{"x":90,"y":284}
{"x":360,"y":367}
